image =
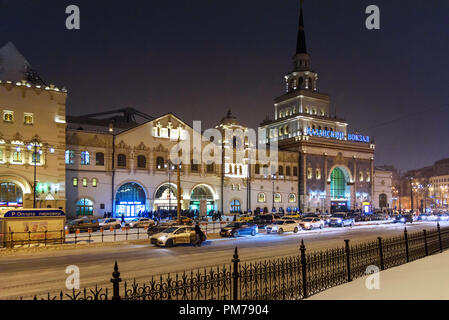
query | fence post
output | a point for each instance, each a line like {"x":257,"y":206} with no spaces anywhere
{"x":45,"y":239}
{"x":348,"y":259}
{"x":407,"y":256}
{"x":114,"y":234}
{"x":425,"y":242}
{"x":29,"y":239}
{"x":62,"y":236}
{"x":439,"y":237}
{"x":302,"y":248}
{"x":381,"y":253}
{"x":116,"y":283}
{"x":235,"y":275}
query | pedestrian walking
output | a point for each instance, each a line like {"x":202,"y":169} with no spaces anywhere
{"x":198,"y":235}
{"x":123,"y":218}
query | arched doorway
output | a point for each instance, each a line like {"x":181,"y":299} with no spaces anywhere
{"x":11,"y":195}
{"x":130,"y":200}
{"x":383,"y":201}
{"x":339,"y":191}
{"x":202,"y":199}
{"x":84,"y":207}
{"x":165,"y":197}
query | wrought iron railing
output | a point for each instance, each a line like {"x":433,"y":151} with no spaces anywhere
{"x":287,"y":278}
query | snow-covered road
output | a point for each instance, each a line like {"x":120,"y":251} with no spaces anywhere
{"x":38,"y":273}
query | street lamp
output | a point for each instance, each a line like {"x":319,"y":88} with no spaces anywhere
{"x":273,"y":177}
{"x":170,"y":167}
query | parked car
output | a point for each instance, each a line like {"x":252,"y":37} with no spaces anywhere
{"x":310,"y":223}
{"x":443,"y":217}
{"x":341,"y":219}
{"x":403,"y":218}
{"x":83,"y":224}
{"x":265,"y":219}
{"x":283,"y":225}
{"x":111,"y":222}
{"x":238,"y":228}
{"x":174,"y":235}
{"x":140,"y":223}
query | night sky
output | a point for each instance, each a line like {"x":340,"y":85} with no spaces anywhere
{"x":199,"y":58}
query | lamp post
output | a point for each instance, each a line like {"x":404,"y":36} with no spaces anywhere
{"x":169,"y":167}
{"x":34,"y":157}
{"x":273,"y":177}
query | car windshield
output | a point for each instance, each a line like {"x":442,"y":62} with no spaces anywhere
{"x":234,"y":224}
{"x":339,"y":215}
{"x":307,"y":219}
{"x":278,"y":222}
{"x":136,"y":219}
{"x":170,"y":230}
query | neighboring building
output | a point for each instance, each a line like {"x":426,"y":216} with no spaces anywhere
{"x":383,"y":183}
{"x":32,"y":136}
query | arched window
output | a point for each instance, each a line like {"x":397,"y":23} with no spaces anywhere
{"x":75,"y":182}
{"x":130,"y":200}
{"x":160,"y":163}
{"x":121,"y":160}
{"x":281,"y":170}
{"x":99,"y":159}
{"x":261,"y":198}
{"x":287,"y":171}
{"x":277,"y":198}
{"x":301,"y":81}
{"x":257,"y":169}
{"x":338,"y":184}
{"x":141,"y":162}
{"x":84,"y":207}
{"x":235,"y":206}
{"x":382,"y":201}
{"x":310,"y":83}
{"x":85,"y":158}
{"x":292,"y":198}
{"x":85,"y":181}
{"x":94,"y":182}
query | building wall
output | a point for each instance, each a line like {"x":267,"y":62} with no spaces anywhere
{"x":47,"y":107}
{"x":382,"y":186}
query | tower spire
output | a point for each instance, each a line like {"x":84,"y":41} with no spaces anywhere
{"x":301,"y":41}
{"x":301,"y":58}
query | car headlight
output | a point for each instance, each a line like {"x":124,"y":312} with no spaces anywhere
{"x":403,"y":219}
{"x":162,"y":238}
{"x":307,"y":225}
{"x":339,"y":220}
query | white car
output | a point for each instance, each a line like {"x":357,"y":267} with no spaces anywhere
{"x":310,"y":223}
{"x":140,"y":223}
{"x":110,"y":222}
{"x":173,"y":236}
{"x":283,"y":225}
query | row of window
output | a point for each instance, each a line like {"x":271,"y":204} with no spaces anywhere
{"x":262,"y":198}
{"x":85,"y":182}
{"x":318,"y":175}
{"x":18,"y":156}
{"x":8,"y":116}
{"x":291,"y":111}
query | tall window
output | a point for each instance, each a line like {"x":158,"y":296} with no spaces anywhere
{"x":99,"y":159}
{"x":287,"y":171}
{"x":257,"y":169}
{"x":75,"y":182}
{"x":292,"y":198}
{"x":261,"y":198}
{"x":318,"y":174}
{"x":36,"y":157}
{"x":141,"y":162}
{"x":85,"y":158}
{"x":235,"y":206}
{"x":8,"y":116}
{"x":309,"y":173}
{"x":94,"y":182}
{"x":70,"y":157}
{"x":295,"y":171}
{"x":277,"y":198}
{"x":85,"y":182}
{"x":121,"y":160}
{"x":160,"y":163}
{"x":281,"y":170}
{"x":28,"y":118}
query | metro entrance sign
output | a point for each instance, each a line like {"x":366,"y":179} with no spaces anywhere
{"x":337,"y":135}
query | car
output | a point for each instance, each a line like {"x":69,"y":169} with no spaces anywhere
{"x":310,"y":223}
{"x":140,"y":223}
{"x":294,"y":216}
{"x":239,"y":228}
{"x":110,"y":222}
{"x":341,"y":219}
{"x":403,"y":218}
{"x":443,"y":217}
{"x":174,"y":235}
{"x":83,"y":224}
{"x":186,"y":220}
{"x":265,"y":219}
{"x":283,"y":225}
{"x":245,"y":218}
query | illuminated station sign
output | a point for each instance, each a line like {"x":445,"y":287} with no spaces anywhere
{"x":337,"y":135}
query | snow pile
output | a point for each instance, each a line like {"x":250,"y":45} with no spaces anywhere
{"x":424,"y":279}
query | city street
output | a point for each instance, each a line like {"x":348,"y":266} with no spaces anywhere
{"x":38,"y":273}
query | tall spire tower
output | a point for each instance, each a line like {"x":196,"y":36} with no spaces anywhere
{"x":301,"y":58}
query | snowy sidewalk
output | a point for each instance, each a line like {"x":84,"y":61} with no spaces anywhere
{"x":424,"y":279}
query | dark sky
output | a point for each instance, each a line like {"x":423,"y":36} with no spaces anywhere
{"x":199,"y":58}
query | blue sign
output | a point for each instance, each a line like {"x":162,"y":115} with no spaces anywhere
{"x":358,"y":138}
{"x":34,"y":213}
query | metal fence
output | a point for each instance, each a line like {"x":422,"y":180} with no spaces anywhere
{"x":288,"y":278}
